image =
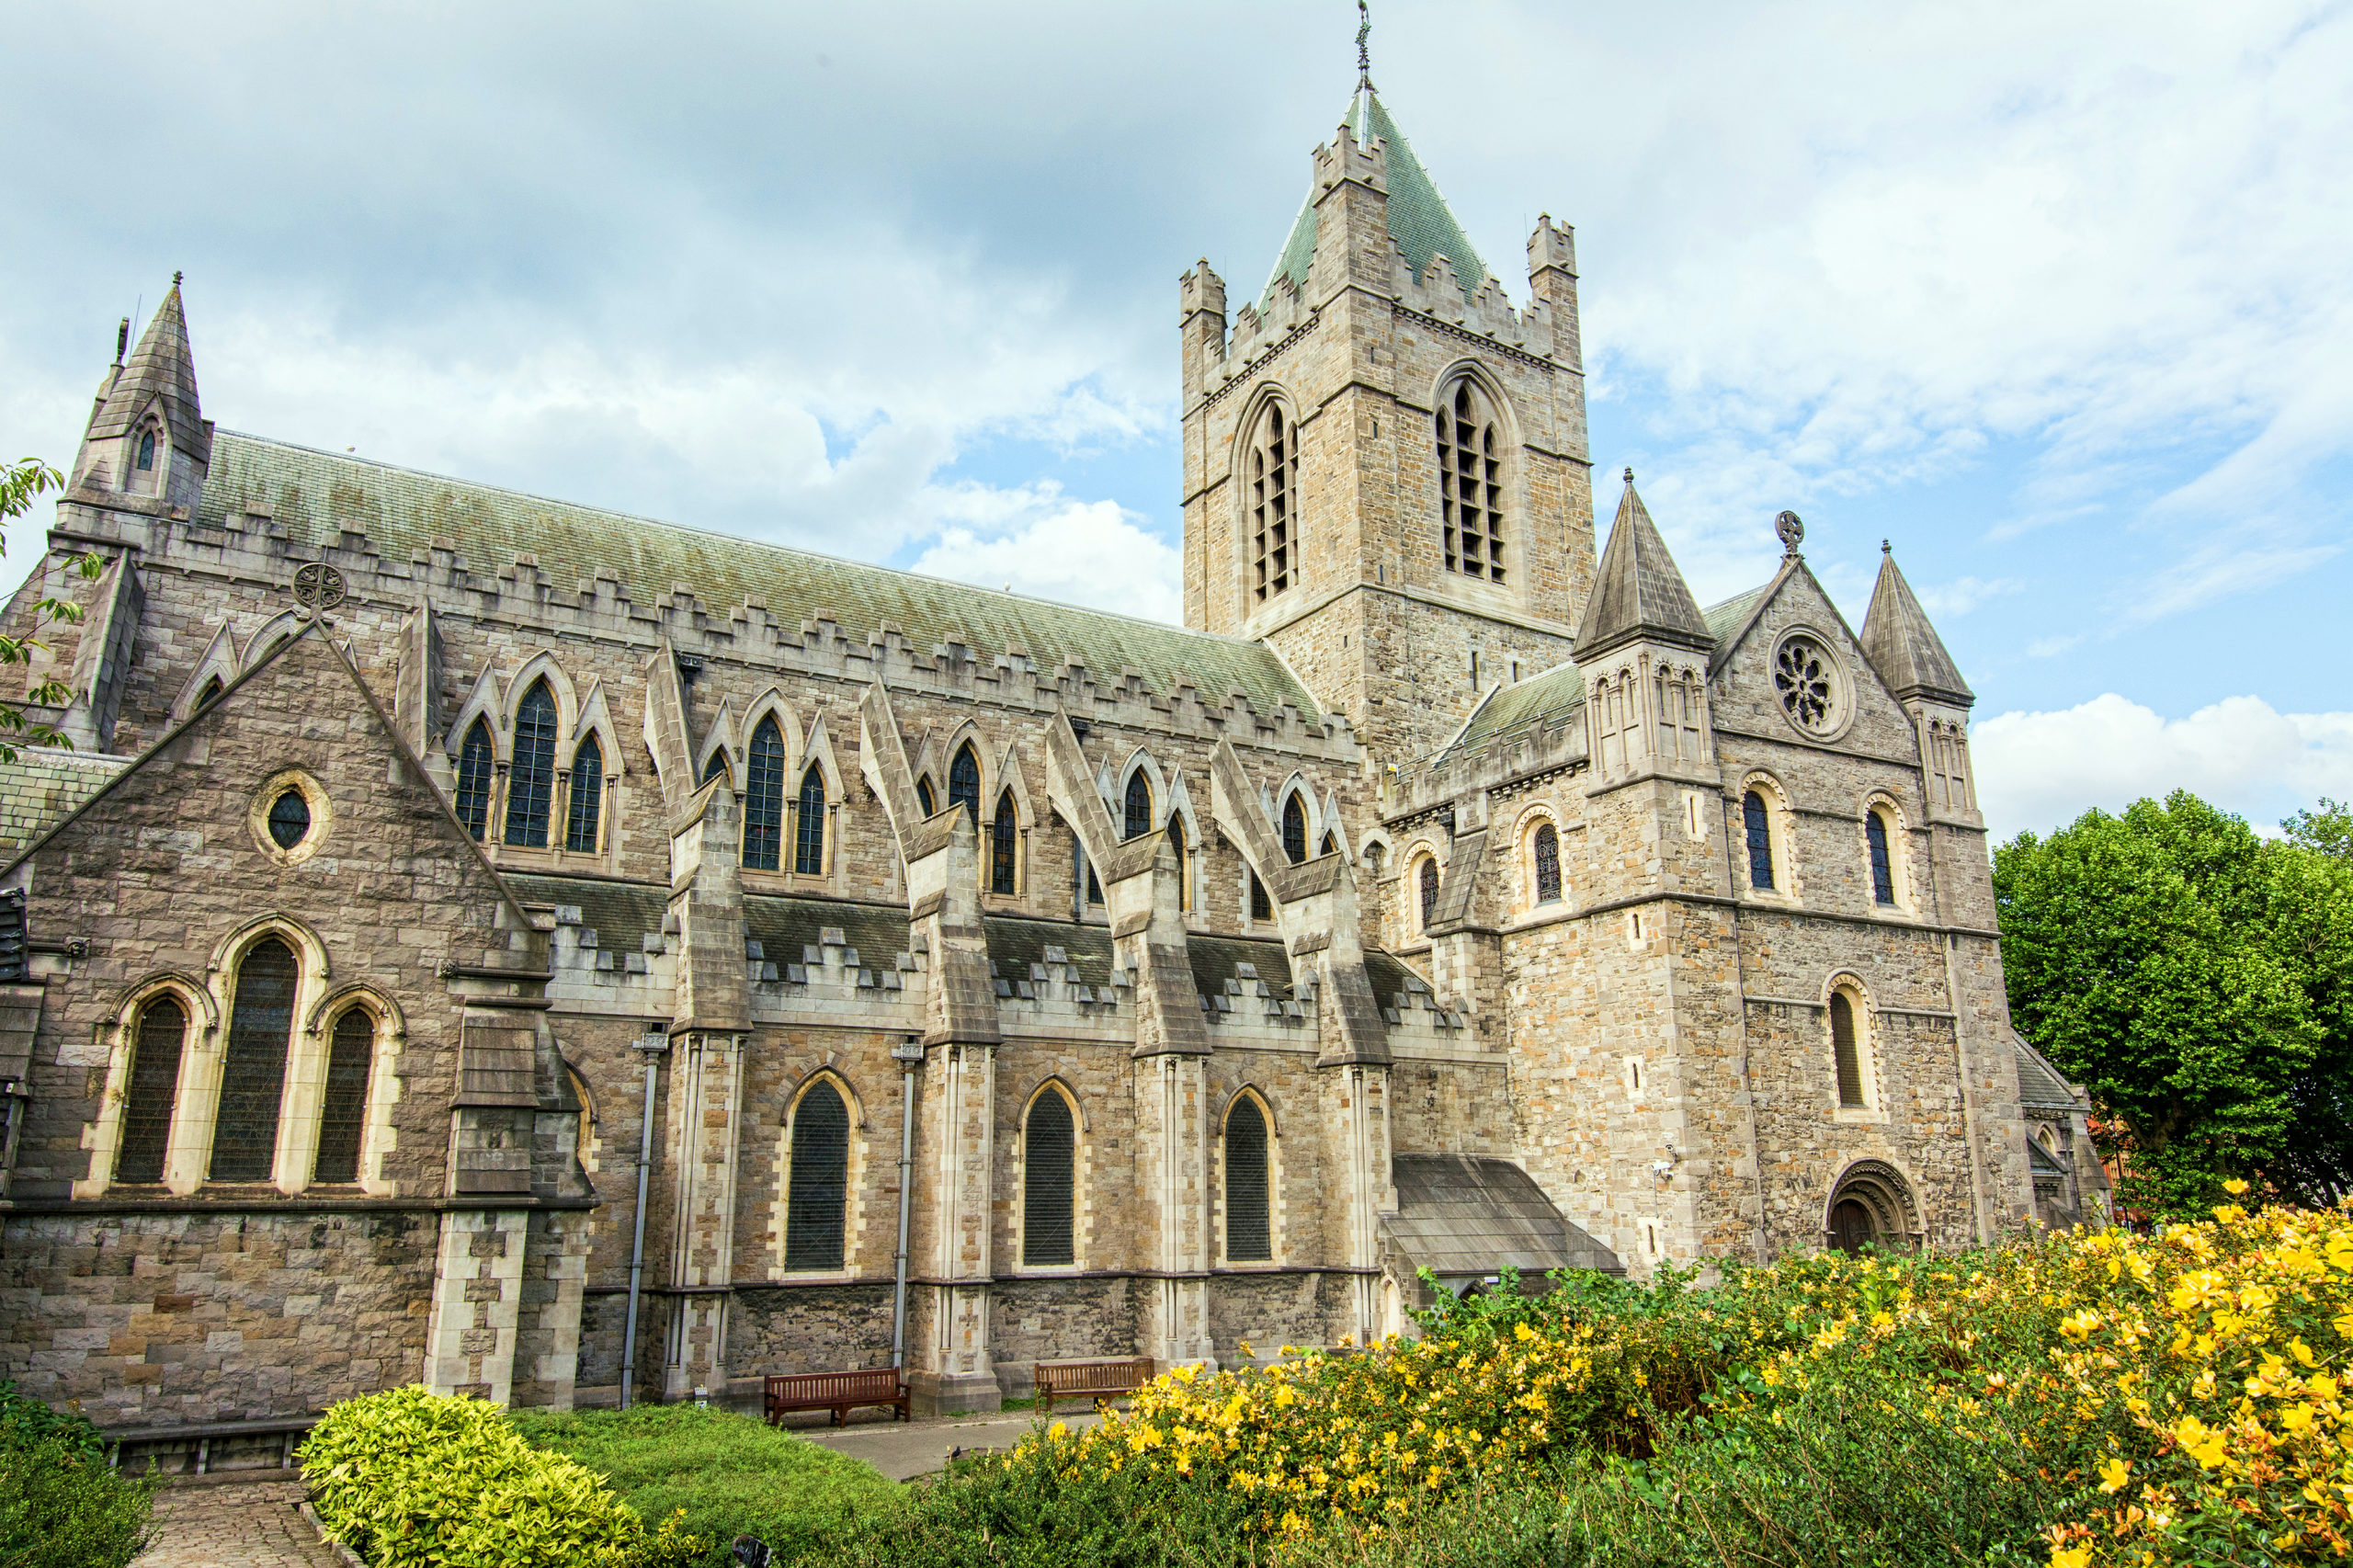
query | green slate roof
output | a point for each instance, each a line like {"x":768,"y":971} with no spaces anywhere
{"x":1725,"y":619}
{"x":312,"y":494}
{"x":1542,"y":701}
{"x":1418,"y":217}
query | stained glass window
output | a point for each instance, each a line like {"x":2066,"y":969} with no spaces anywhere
{"x":1548,"y":865}
{"x":473,"y":779}
{"x":1428,"y":892}
{"x":530,"y":779}
{"x":1248,"y":1233}
{"x":582,"y":816}
{"x":818,"y":1199}
{"x":343,"y":1113}
{"x":252,"y":1069}
{"x":154,"y":1090}
{"x":1138,"y":806}
{"x":1759,"y":829}
{"x":1294,"y":828}
{"x":808,"y":827}
{"x":1049,"y":1195}
{"x":764,"y":798}
{"x":1004,"y":836}
{"x":1882,"y":871}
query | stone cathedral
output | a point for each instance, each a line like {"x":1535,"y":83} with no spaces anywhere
{"x":489,"y":941}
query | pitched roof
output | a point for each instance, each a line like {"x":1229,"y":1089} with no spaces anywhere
{"x":2039,"y":1084}
{"x":1638,"y":591}
{"x":1725,"y":619}
{"x":1903,"y":647}
{"x":1419,"y":219}
{"x":161,"y":367}
{"x":44,"y":786}
{"x":1545,"y":701}
{"x":312,"y":494}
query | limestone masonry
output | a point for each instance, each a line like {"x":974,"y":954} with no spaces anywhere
{"x":1450,"y":895}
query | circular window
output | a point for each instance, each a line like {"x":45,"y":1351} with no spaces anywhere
{"x":1806,"y":679}
{"x":290,"y":819}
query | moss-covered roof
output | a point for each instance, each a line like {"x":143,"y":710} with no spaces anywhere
{"x":1419,"y":219}
{"x":312,"y":494}
{"x":1725,"y":619}
{"x":1545,"y":701}
{"x":44,"y":786}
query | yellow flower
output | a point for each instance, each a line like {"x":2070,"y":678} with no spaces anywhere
{"x":2073,"y":1557}
{"x":2112,"y":1473}
{"x":2200,"y":1442}
{"x":2235,"y":1188}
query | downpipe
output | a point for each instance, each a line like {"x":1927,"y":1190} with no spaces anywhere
{"x":908,"y":1054}
{"x":655,"y":1047}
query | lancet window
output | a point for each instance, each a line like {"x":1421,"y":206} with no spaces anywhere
{"x":1048,"y":1182}
{"x":808,"y":823}
{"x":817,"y":1194}
{"x":585,"y":811}
{"x":764,"y":798}
{"x":1249,"y":1231}
{"x":155,"y":1055}
{"x":1470,"y":480}
{"x":343,"y":1111}
{"x":1272,"y":497}
{"x":253,"y":1068}
{"x":474,"y":767}
{"x":530,"y":781}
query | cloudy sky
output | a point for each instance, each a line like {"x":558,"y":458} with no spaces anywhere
{"x":2052,"y":294}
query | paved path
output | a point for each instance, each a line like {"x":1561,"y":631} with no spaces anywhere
{"x":247,"y":1525}
{"x":904,"y":1448}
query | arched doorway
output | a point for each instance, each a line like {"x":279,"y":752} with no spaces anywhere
{"x":1870,"y":1205}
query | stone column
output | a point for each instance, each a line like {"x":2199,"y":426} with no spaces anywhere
{"x":959,"y":1374}
{"x":1172,"y":1164}
{"x":477,"y":1302}
{"x":706,"y":1084}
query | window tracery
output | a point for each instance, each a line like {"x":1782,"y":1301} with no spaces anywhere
{"x":1048,"y":1182}
{"x":253,"y":1068}
{"x":1470,"y":480}
{"x":763,"y":798}
{"x":808,"y":823}
{"x":1273,"y":502}
{"x":964,"y":781}
{"x":530,"y":779}
{"x":1806,"y":677}
{"x":817,"y":1194}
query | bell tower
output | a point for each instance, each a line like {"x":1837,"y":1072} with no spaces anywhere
{"x":1386,"y":474}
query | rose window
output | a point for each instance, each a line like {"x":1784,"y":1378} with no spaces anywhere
{"x":1803,"y":676}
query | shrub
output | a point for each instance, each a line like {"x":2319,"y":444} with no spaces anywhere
{"x":61,"y":1506}
{"x":413,"y":1479}
{"x":723,"y":1473}
{"x":25,"y":1421}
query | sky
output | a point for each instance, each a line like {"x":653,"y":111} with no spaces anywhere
{"x":2051,"y":295}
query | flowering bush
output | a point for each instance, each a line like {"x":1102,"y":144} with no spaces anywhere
{"x":2176,"y":1397}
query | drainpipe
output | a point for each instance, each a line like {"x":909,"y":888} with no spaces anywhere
{"x":908,"y":1054}
{"x":654,"y":1046}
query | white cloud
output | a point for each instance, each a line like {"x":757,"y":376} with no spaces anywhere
{"x":2043,"y":770}
{"x":1079,"y":552}
{"x":1964,"y":594}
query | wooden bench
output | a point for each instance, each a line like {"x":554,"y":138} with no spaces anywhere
{"x":838,"y":1392}
{"x":1102,"y":1379}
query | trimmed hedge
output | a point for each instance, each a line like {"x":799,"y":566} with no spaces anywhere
{"x":409,"y":1478}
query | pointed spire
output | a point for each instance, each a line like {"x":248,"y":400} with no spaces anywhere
{"x":1903,"y":647}
{"x":161,"y":369}
{"x":1638,"y":591}
{"x":1419,"y":220}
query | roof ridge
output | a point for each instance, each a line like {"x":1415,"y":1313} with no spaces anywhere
{"x":728,"y":538}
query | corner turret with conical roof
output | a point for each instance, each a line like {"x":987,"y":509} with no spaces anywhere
{"x":1912,"y":662}
{"x":148,"y":436}
{"x":1385,"y":461}
{"x":1639,"y":591}
{"x":1643,"y":647}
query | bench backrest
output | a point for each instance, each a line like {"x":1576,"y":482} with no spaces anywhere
{"x":816,"y":1387}
{"x":1093,"y":1377}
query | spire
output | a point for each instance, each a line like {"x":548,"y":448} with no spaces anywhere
{"x":1419,"y":220}
{"x":1903,"y":647}
{"x":1638,"y":592}
{"x":161,"y":369}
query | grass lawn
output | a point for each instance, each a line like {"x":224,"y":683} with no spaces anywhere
{"x":732,"y":1473}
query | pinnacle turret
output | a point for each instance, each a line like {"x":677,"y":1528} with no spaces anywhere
{"x":1419,"y":220}
{"x":161,"y":372}
{"x":1638,"y":592}
{"x":1903,"y":647}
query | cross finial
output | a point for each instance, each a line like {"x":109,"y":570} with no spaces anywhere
{"x":1364,"y":47}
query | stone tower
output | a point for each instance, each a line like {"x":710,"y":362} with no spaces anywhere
{"x":1386,"y":474}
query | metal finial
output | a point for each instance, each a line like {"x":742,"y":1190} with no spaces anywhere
{"x":1885,"y":548}
{"x":1364,"y":47}
{"x":176,"y":280}
{"x":1791,"y":529}
{"x":1629,"y":476}
{"x":122,"y":339}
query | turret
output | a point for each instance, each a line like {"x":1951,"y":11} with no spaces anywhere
{"x":1643,"y":648}
{"x":148,"y":438}
{"x":1913,"y":663}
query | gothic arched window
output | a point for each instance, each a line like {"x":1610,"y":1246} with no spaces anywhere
{"x":1470,"y":480}
{"x":531,"y":780}
{"x":1249,"y":1231}
{"x":1548,"y":864}
{"x":1429,"y":890}
{"x":586,"y":811}
{"x":717,"y":767}
{"x":1294,"y":829}
{"x":1004,"y":837}
{"x":212,"y":689}
{"x":1261,"y":907}
{"x":1758,"y":826}
{"x":1882,"y":870}
{"x":808,"y":823}
{"x":1048,"y":1182}
{"x":253,"y":1068}
{"x":763,"y":798}
{"x":147,"y":451}
{"x":473,"y":779}
{"x":1845,"y":1049}
{"x":342,"y":1109}
{"x":817,"y":1194}
{"x":1184,"y":872}
{"x":1271,"y":495}
{"x":925,"y":798}
{"x":964,"y":781}
{"x":154,"y":1090}
{"x":1138,"y":806}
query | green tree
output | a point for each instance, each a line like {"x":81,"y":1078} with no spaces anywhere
{"x":19,"y":483}
{"x":2198,"y":981}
